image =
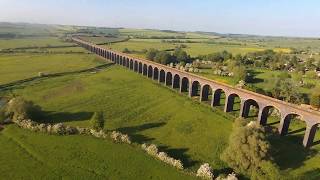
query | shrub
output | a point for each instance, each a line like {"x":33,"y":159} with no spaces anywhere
{"x":169,"y":160}
{"x":19,"y":108}
{"x":205,"y":171}
{"x":119,"y":137}
{"x":231,"y":176}
{"x":151,"y":149}
{"x":71,"y":130}
{"x":84,"y":131}
{"x":59,"y":129}
{"x":97,"y":120}
{"x":126,"y":50}
{"x":98,"y":134}
{"x":315,"y":98}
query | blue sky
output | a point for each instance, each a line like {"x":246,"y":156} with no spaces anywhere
{"x":264,"y":17}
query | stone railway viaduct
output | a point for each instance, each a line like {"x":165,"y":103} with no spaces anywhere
{"x":210,"y":91}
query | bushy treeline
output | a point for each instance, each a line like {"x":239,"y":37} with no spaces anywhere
{"x":266,"y":59}
{"x":164,"y":57}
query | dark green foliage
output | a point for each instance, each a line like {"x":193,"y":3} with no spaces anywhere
{"x":126,"y":50}
{"x":315,"y":98}
{"x":241,"y":73}
{"x":2,"y":115}
{"x":284,"y":88}
{"x":248,"y":151}
{"x":97,"y":120}
{"x":151,"y":54}
{"x":163,"y":57}
{"x":19,"y":108}
{"x":181,"y":56}
{"x":218,"y":56}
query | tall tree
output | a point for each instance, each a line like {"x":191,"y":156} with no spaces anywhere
{"x":248,"y":151}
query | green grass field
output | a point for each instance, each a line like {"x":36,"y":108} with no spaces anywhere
{"x":133,"y":104}
{"x":152,"y":113}
{"x":194,"y":49}
{"x":21,"y":66}
{"x":103,"y":40}
{"x":29,"y":155}
{"x":31,"y":42}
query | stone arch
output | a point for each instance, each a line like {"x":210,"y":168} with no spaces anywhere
{"x":155,"y":73}
{"x":219,"y":97}
{"x":124,"y":61}
{"x":150,"y":71}
{"x":131,"y":64}
{"x":184,"y":85}
{"x":169,"y":79}
{"x":145,"y":70}
{"x":128,"y":63}
{"x":119,"y":59}
{"x":288,"y":120}
{"x":176,"y":81}
{"x":195,"y":88}
{"x":206,"y":93}
{"x":310,"y":135}
{"x":231,"y":100}
{"x":266,"y":112}
{"x":135,"y":66}
{"x":250,"y":108}
{"x":162,"y":77}
{"x":296,"y":125}
{"x":140,"y":68}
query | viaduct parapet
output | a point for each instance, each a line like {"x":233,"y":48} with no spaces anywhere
{"x":211,"y":91}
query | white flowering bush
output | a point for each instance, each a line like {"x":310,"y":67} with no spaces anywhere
{"x":153,"y":151}
{"x":232,"y":176}
{"x":119,"y":137}
{"x":169,"y":160}
{"x":205,"y":171}
{"x":59,"y":129}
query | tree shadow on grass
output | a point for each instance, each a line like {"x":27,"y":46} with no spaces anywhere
{"x":179,"y":153}
{"x":133,"y":131}
{"x":254,"y":78}
{"x":288,"y":151}
{"x":313,"y":174}
{"x":61,"y":117}
{"x":297,"y":131}
{"x":316,"y":143}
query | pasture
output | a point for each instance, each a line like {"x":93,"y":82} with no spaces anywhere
{"x":152,"y":113}
{"x":33,"y":42}
{"x":15,"y":67}
{"x":29,"y":155}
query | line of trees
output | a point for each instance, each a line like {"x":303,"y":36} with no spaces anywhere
{"x":164,"y":57}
